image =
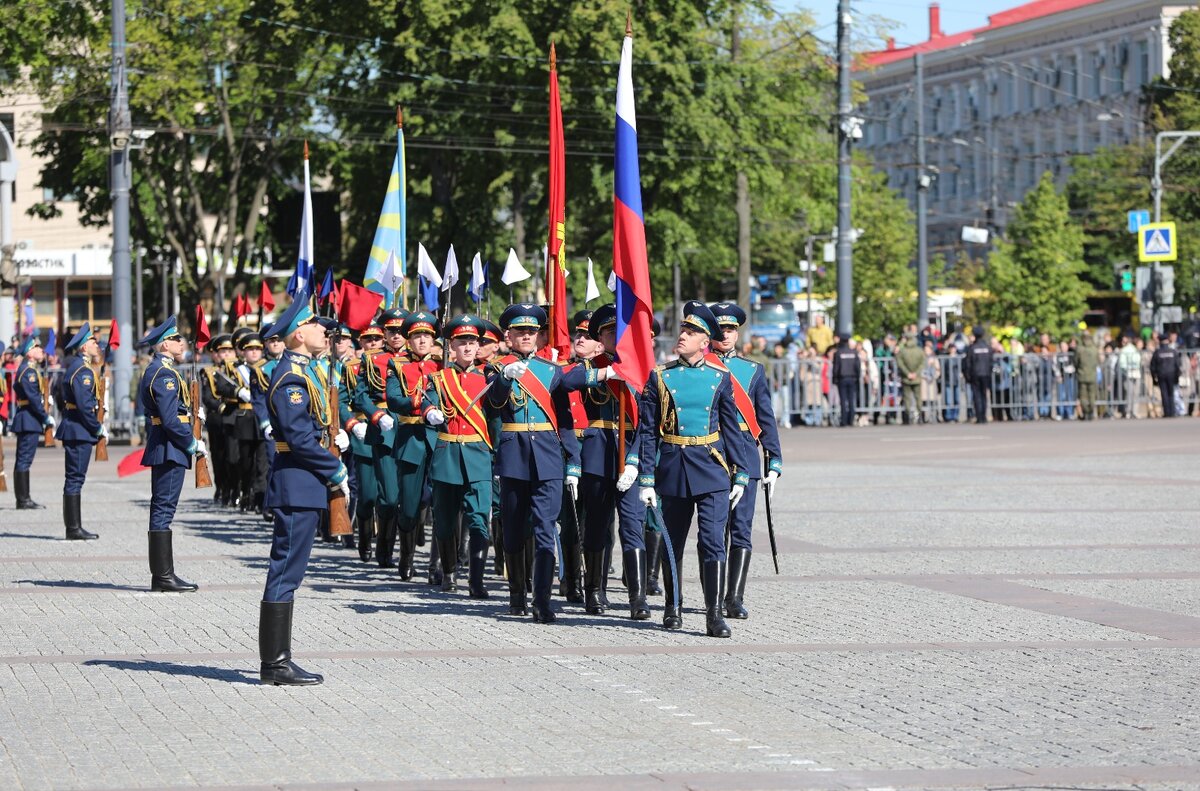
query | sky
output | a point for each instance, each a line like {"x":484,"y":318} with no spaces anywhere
{"x":911,"y":16}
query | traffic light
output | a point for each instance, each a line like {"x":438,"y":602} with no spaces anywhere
{"x":1127,"y":281}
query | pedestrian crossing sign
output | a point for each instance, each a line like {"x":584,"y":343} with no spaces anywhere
{"x":1157,"y":242}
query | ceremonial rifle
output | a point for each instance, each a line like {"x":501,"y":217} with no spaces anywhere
{"x":203,"y":477}
{"x":339,"y":515}
{"x":49,"y":434}
{"x":101,"y":413}
{"x":3,"y":474}
{"x":770,"y":520}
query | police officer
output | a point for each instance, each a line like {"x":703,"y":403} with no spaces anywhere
{"x":846,"y":374}
{"x":415,"y":439}
{"x":170,"y":447}
{"x":81,"y":428}
{"x":31,"y":419}
{"x":537,"y":433}
{"x":301,"y":476}
{"x":689,"y":413}
{"x":756,"y":418}
{"x":977,"y":371}
{"x":461,"y":467}
{"x":1164,"y":371}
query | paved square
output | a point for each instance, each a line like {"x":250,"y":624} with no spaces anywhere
{"x":958,"y":607}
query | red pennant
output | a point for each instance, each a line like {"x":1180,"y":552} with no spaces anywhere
{"x":203,"y":336}
{"x":356,"y":305}
{"x":241,"y":306}
{"x":266,"y":300}
{"x":114,"y":336}
{"x":131,"y":464}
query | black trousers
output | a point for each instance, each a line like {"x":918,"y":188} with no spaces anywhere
{"x":979,"y":402}
{"x":1166,"y":388}
{"x":848,"y":398}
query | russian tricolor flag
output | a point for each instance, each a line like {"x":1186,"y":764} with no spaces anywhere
{"x":635,"y":345}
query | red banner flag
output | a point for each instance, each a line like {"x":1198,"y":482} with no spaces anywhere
{"x":266,"y":300}
{"x":356,"y":306}
{"x":241,"y":306}
{"x":114,"y":336}
{"x":203,"y":336}
{"x":556,"y":287}
{"x":131,"y":464}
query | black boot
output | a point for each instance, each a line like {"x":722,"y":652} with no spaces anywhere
{"x":672,"y":617}
{"x":528,"y":564}
{"x":476,"y":562}
{"x":420,"y":533}
{"x":447,"y":551}
{"x":435,"y":563}
{"x":386,"y":544}
{"x":408,"y":548}
{"x":498,"y":546}
{"x":608,"y":569}
{"x":21,"y":482}
{"x":73,"y":520}
{"x":594,"y":569}
{"x":714,"y":591}
{"x":739,"y":567}
{"x":162,"y":565}
{"x":654,"y":546}
{"x":543,"y":581}
{"x":464,"y":555}
{"x":366,"y":534}
{"x":275,"y":647}
{"x":635,"y":581}
{"x":570,"y":585}
{"x":515,"y":563}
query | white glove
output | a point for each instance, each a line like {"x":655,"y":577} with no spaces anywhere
{"x":735,"y":495}
{"x":50,"y":421}
{"x":202,"y":414}
{"x":342,"y":440}
{"x":573,"y":486}
{"x":243,"y":395}
{"x":360,"y":431}
{"x":770,"y":481}
{"x":345,"y":487}
{"x":268,"y":431}
{"x":515,"y":370}
{"x":628,"y":476}
{"x":103,"y":432}
{"x":611,"y":374}
{"x":435,"y":417}
{"x":200,"y":450}
{"x":648,"y":496}
{"x":386,"y":423}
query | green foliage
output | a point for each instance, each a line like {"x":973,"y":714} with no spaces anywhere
{"x":1102,"y":188}
{"x":1035,"y":276}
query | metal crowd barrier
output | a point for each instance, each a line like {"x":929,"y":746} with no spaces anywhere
{"x":1022,"y":387}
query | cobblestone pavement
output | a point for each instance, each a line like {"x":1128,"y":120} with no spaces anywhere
{"x":958,"y":607}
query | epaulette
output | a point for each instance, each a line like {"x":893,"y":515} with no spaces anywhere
{"x":296,"y":369}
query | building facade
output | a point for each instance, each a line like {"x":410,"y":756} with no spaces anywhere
{"x":1005,"y":102}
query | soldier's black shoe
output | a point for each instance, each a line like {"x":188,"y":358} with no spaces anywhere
{"x":476,"y":562}
{"x":543,"y":581}
{"x":739,"y":567}
{"x":515,"y":563}
{"x":672,"y":616}
{"x":654,"y":546}
{"x":635,"y":580}
{"x":275,"y":647}
{"x":714,"y":590}
{"x":73,"y":520}
{"x":407,"y":551}
{"x":162,"y":565}
{"x":448,"y":555}
{"x":594,"y":568}
{"x":349,"y":542}
{"x":21,"y":483}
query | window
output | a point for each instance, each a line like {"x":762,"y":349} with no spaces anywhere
{"x":1143,"y":62}
{"x":1031,"y":84}
{"x":45,"y":303}
{"x":1071,"y":73}
{"x":1116,"y":69}
{"x":1097,"y":75}
{"x":89,"y":300}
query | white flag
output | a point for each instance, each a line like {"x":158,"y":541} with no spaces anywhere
{"x":477,"y":278}
{"x":390,"y":278}
{"x":612,"y":281}
{"x":513,"y":271}
{"x":450,"y":274}
{"x":593,"y":291}
{"x":425,"y":267}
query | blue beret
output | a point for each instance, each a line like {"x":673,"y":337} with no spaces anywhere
{"x":728,"y":314}
{"x":165,"y":331}
{"x":79,"y":338}
{"x":696,"y":314}
{"x":523,"y":315}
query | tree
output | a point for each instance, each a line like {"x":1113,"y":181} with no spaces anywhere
{"x":1102,"y":188}
{"x":1036,"y":275}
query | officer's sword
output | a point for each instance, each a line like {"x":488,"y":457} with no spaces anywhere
{"x":661,"y":528}
{"x":770,"y":519}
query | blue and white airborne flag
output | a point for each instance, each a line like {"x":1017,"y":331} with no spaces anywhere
{"x":301,"y":280}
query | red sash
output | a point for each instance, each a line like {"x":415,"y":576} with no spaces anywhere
{"x":454,"y":390}
{"x":619,"y":390}
{"x":741,"y":398}
{"x":579,"y":413}
{"x":536,"y":390}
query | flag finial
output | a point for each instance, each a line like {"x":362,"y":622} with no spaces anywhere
{"x":306,"y":149}
{"x":628,"y":22}
{"x":399,"y":117}
{"x":553,"y":58}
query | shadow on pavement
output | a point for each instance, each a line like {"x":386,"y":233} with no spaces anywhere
{"x":104,"y":586}
{"x":175,"y":669}
{"x":41,"y":537}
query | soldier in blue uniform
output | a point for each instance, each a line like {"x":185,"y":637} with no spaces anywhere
{"x":607,"y":480}
{"x":756,"y":417}
{"x":701,"y":469}
{"x":31,"y":419}
{"x":298,"y":491}
{"x":537,"y":453}
{"x":166,"y":400}
{"x":81,"y":428}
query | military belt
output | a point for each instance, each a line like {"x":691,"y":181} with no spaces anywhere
{"x":460,"y":437}
{"x":676,"y":439}
{"x":381,"y":404}
{"x":282,"y":447}
{"x":157,"y":421}
{"x":409,"y":420}
{"x":22,"y":402}
{"x":245,"y":406}
{"x":69,"y":405}
{"x":526,"y":426}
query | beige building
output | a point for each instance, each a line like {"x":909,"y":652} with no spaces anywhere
{"x":1012,"y":99}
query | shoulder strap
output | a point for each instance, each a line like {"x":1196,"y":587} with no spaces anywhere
{"x":452,"y":388}
{"x":540,"y":395}
{"x":741,"y":399}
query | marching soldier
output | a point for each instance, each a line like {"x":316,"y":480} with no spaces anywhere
{"x":756,"y":417}
{"x":371,"y":400}
{"x":31,"y":419}
{"x":354,"y":421}
{"x":415,"y":440}
{"x":538,"y":432}
{"x":583,"y":347}
{"x":210,"y":405}
{"x":489,"y":349}
{"x":461,"y":467}
{"x":245,"y":432}
{"x":607,"y":481}
{"x":301,"y":476}
{"x":223,"y":389}
{"x":701,"y":470}
{"x":170,"y":447}
{"x":81,"y":428}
